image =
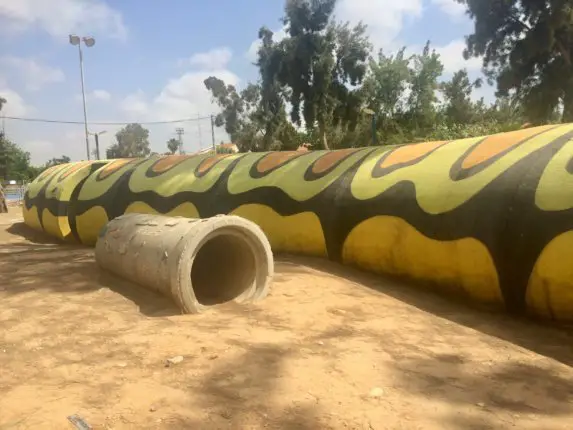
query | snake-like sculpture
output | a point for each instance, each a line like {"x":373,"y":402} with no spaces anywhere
{"x":487,"y":218}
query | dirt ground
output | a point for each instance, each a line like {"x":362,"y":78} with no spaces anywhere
{"x":330,"y":348}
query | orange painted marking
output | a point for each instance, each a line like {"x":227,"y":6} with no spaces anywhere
{"x":497,"y":143}
{"x":74,"y":168}
{"x":409,"y":153}
{"x":112,"y":167}
{"x":168,"y":162}
{"x":330,"y":159}
{"x":275,"y":159}
{"x":210,"y":162}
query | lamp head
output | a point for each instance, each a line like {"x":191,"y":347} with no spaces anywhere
{"x":89,"y":41}
{"x":74,"y":40}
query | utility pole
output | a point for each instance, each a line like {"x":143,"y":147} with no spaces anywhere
{"x":213,"y":132}
{"x":97,"y":145}
{"x":180,"y":133}
{"x":96,"y":138}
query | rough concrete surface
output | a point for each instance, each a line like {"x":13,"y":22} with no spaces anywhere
{"x":330,"y":348}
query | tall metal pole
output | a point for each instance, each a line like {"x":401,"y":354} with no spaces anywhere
{"x":84,"y":100}
{"x":213,"y":132}
{"x":96,"y":136}
{"x":180,"y":132}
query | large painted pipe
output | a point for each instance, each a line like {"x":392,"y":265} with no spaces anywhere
{"x":197,"y":262}
{"x":488,"y":218}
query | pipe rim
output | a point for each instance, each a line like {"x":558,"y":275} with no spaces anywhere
{"x":182,"y":288}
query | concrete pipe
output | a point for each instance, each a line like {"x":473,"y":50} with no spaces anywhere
{"x":197,"y":262}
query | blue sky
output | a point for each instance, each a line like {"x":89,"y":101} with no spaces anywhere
{"x":150,"y":60}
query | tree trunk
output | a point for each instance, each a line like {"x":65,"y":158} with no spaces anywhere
{"x":568,"y":102}
{"x":322,"y":130}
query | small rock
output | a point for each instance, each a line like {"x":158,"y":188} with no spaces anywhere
{"x":173,"y":360}
{"x":152,"y":408}
{"x":320,"y":342}
{"x":213,"y":357}
{"x":376,"y":393}
{"x":481,"y":405}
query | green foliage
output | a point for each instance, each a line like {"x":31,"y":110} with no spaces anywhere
{"x":15,"y":162}
{"x":322,"y":61}
{"x":132,"y":141}
{"x":459,"y":107}
{"x":527,"y":46}
{"x":173,"y":145}
{"x":55,"y":161}
{"x":321,"y":75}
{"x":223,"y":150}
{"x":321,"y":86}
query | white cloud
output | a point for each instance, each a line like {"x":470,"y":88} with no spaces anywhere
{"x":453,"y":59}
{"x":33,"y":74}
{"x":451,"y":8}
{"x":384,"y":18}
{"x":215,"y":59}
{"x":15,"y":105}
{"x":101,"y":95}
{"x":135,"y":104}
{"x":60,"y":17}
{"x":95,"y":95}
{"x":182,"y":98}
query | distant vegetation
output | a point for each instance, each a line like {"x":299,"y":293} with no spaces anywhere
{"x":324,"y":78}
{"x":322,"y":85}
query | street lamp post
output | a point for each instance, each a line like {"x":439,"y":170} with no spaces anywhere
{"x":96,"y":137}
{"x":89,"y":42}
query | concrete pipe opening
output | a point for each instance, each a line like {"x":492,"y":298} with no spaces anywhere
{"x":223,"y":269}
{"x":198,"y":262}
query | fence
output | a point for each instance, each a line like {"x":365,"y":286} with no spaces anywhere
{"x":14,"y":194}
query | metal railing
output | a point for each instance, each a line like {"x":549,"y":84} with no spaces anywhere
{"x":14,"y":194}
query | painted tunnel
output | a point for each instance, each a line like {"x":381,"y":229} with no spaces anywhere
{"x":486,"y":218}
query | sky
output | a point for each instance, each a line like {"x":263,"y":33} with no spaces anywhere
{"x":150,"y":59}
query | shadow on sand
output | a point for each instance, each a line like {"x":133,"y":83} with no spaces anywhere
{"x":42,"y":264}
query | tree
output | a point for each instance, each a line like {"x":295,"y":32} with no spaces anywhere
{"x":527,"y":48}
{"x":459,"y":107}
{"x":15,"y":162}
{"x":239,"y":111}
{"x":173,"y":145}
{"x":2,"y":102}
{"x":320,"y":62}
{"x":425,"y":72}
{"x":248,"y":119}
{"x":132,"y":142}
{"x":384,"y":93}
{"x":386,"y":82}
{"x":271,"y":114}
{"x":55,"y":161}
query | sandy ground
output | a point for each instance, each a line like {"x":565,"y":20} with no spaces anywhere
{"x":330,"y":348}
